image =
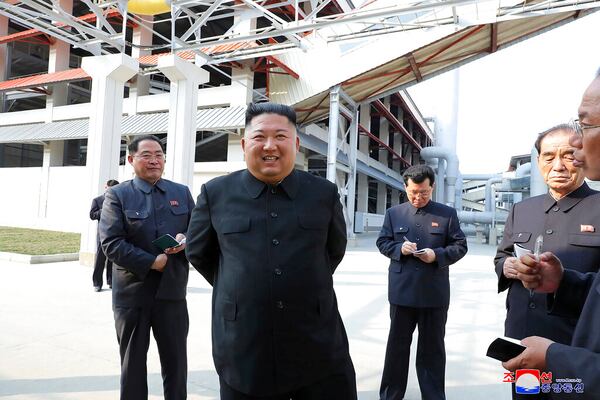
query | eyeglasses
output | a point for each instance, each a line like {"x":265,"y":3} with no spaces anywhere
{"x":150,"y":157}
{"x":580,"y":128}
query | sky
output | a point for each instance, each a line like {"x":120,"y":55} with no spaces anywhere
{"x":507,"y":98}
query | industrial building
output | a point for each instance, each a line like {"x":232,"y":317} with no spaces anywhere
{"x":78,"y":79}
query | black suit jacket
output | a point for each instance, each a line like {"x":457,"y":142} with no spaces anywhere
{"x":560,"y":223}
{"x":578,"y":296}
{"x":412,"y":282}
{"x":96,"y":207}
{"x":270,"y":252}
{"x":133,"y":215}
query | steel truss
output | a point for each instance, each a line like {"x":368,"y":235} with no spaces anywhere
{"x":285,"y":25}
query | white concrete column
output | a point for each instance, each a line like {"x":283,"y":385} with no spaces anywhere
{"x":242,"y":79}
{"x":53,"y":157}
{"x":234,"y":148}
{"x":140,"y":86}
{"x":397,"y":164}
{"x":109,"y":74}
{"x":4,"y":61}
{"x":58,"y":60}
{"x":181,"y":137}
{"x":362,"y":201}
{"x":384,"y":136}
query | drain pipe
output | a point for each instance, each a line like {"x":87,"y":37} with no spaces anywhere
{"x":490,"y":206}
{"x":428,"y":153}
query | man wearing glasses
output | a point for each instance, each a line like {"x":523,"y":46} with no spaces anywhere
{"x":149,"y":284}
{"x":566,"y":218}
{"x":570,"y":293}
{"x":421,"y":238}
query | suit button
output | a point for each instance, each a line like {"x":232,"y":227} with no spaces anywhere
{"x":418,"y":225}
{"x":556,"y":208}
{"x":532,"y":305}
{"x":273,"y":190}
{"x":549,"y":231}
{"x":279,"y":304}
{"x":275,"y":242}
{"x":277,"y":271}
{"x":273,"y":215}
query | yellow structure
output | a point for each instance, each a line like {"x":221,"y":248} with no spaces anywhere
{"x":148,"y":7}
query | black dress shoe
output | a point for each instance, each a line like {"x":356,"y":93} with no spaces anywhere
{"x":97,"y":288}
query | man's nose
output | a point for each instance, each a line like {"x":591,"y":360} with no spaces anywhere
{"x":558,"y":163}
{"x":269,"y":143}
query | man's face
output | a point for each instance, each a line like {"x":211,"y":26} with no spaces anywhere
{"x":419,"y":194}
{"x":148,"y":161}
{"x":556,"y":164}
{"x":270,"y":145}
{"x":587,"y":154}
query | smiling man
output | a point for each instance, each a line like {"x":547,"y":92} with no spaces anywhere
{"x":563,"y":217}
{"x":268,"y":239}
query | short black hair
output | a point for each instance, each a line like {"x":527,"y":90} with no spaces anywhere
{"x":112,"y":182}
{"x":133,"y":146}
{"x":256,"y":109}
{"x":418,"y":174}
{"x":542,"y":135}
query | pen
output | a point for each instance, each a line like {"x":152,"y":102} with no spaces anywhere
{"x":537,"y":250}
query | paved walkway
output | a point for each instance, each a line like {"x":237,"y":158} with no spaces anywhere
{"x":57,"y":338}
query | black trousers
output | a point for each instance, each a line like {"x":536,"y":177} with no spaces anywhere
{"x":335,"y":387}
{"x":99,"y":265}
{"x":431,"y":353}
{"x":170,"y":323}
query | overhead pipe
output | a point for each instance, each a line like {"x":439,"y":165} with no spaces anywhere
{"x":451,"y":168}
{"x":523,"y":170}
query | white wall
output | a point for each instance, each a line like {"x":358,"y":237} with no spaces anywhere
{"x":68,"y":207}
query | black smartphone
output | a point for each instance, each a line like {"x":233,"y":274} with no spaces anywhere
{"x":504,"y":350}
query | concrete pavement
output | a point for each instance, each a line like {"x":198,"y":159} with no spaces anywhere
{"x":57,"y":338}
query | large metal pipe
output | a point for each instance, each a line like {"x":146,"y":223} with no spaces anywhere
{"x":476,"y":217}
{"x":537,"y":185}
{"x":451,"y":168}
{"x":523,"y":170}
{"x":490,"y":202}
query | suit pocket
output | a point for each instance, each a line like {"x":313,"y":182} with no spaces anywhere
{"x":395,"y":267}
{"x":312,"y":222}
{"x":584,"y":239}
{"x":521,"y":237}
{"x":235,"y":225}
{"x":136,"y":214}
{"x":437,"y":231}
{"x":229,"y":310}
{"x":180,"y":210}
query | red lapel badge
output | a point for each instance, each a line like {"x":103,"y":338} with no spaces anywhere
{"x":435,"y":224}
{"x":588,"y":228}
{"x":174,"y":203}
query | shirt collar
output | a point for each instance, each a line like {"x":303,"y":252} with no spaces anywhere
{"x":569,"y":201}
{"x":415,"y":210}
{"x":147,"y":187}
{"x":255,"y":187}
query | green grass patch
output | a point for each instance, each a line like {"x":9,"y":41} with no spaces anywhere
{"x":38,"y":242}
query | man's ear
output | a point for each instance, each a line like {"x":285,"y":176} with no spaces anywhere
{"x":297,"y":143}
{"x":130,"y":159}
{"x":243,"y":143}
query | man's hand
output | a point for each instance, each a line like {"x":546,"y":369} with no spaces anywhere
{"x":160,"y":262}
{"x":408,"y":248}
{"x":534,"y":356}
{"x":428,"y":256}
{"x":508,"y":269}
{"x":173,"y":250}
{"x":544,"y":275}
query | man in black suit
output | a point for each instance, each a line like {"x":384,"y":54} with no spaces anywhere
{"x":563,"y":218}
{"x":571,"y":293}
{"x":268,"y":239}
{"x":422,"y":238}
{"x":100,"y":262}
{"x":149,"y":285}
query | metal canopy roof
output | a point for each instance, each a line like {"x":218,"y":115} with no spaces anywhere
{"x":229,"y":119}
{"x":449,"y":52}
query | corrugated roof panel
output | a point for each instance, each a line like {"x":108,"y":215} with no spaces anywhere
{"x":222,"y":118}
{"x":68,"y":75}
